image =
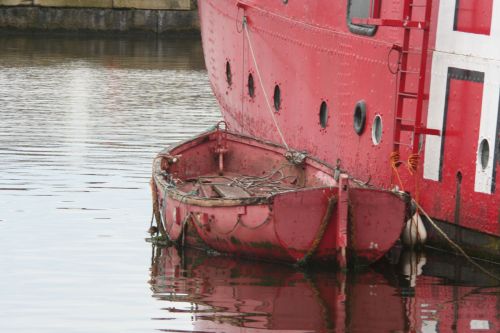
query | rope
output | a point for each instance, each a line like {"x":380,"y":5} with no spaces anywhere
{"x":394,"y":158}
{"x":455,"y":245}
{"x":398,"y":65}
{"x":164,"y":208}
{"x":258,"y":185}
{"x":247,"y":34}
{"x":263,"y":223}
{"x":321,"y":231}
{"x":317,"y":27}
{"x":413,"y":160}
{"x":395,"y":163}
{"x":412,"y":164}
{"x":239,"y":221}
{"x":242,"y":66}
{"x":156,"y":209}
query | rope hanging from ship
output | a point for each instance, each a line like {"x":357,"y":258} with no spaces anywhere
{"x":412,"y":165}
{"x":266,"y":97}
{"x":295,"y":157}
{"x":455,"y":245}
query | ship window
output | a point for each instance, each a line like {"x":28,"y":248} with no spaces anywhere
{"x":323,"y":114}
{"x":377,"y":130}
{"x":359,"y":117}
{"x":360,"y":9}
{"x":229,"y":75}
{"x":484,"y":153}
{"x":277,"y":98}
{"x":251,"y":86}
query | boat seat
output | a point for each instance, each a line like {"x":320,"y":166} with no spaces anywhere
{"x":226,"y":191}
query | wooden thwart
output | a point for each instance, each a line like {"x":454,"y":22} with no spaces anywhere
{"x":227,"y":191}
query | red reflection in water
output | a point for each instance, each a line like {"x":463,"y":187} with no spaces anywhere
{"x":223,"y":294}
{"x":226,"y":295}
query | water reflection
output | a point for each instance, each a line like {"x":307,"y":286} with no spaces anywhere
{"x":214,"y":294}
{"x":140,"y":52}
{"x":80,"y":122}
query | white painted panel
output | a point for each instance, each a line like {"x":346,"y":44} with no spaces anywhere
{"x":476,"y":324}
{"x":466,"y":51}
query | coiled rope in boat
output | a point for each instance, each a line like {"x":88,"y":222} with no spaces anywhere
{"x":272,"y":183}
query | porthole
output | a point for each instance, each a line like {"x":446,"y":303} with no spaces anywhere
{"x":277,"y":98}
{"x":229,"y":75}
{"x":323,"y":114}
{"x":377,"y":130}
{"x":359,"y":117}
{"x":484,"y":153}
{"x":251,"y":86}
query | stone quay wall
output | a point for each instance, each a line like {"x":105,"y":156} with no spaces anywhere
{"x":147,"y":16}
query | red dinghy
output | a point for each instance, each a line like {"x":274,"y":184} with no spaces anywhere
{"x":245,"y":196}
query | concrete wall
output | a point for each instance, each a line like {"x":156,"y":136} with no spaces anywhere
{"x":136,"y":4}
{"x":150,"y":16}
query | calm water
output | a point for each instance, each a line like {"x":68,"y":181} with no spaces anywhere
{"x":80,"y":122}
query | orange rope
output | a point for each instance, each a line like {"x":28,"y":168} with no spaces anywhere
{"x":395,"y":163}
{"x":413,"y":160}
{"x":412,"y":165}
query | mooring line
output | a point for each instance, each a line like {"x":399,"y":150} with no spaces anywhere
{"x":247,"y":34}
{"x":455,"y":245}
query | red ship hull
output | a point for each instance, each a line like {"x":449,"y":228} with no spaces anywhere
{"x":239,"y":195}
{"x":299,"y":72}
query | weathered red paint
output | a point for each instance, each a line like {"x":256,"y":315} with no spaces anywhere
{"x":306,"y":48}
{"x":309,"y":219}
{"x":371,"y":215}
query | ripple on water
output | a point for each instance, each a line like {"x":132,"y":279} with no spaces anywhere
{"x":81,"y":121}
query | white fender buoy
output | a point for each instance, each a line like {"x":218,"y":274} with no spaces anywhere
{"x":414,"y":233}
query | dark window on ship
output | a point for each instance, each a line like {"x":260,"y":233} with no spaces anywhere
{"x":277,"y":98}
{"x":229,"y":75}
{"x":360,"y":9}
{"x":251,"y":86}
{"x":323,"y":114}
